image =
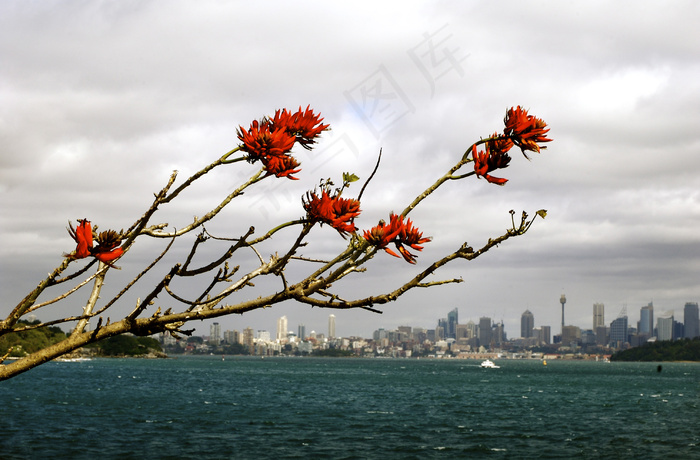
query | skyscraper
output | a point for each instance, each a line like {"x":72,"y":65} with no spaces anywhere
{"x":485,"y":332}
{"x":498,"y":334}
{"x":527,"y":324}
{"x":263,"y":335}
{"x":472,"y":329}
{"x":215,"y":333}
{"x":282,"y":329}
{"x":691,"y":320}
{"x":441,"y":330}
{"x":231,"y":337}
{"x":331,"y":327}
{"x":248,"y":340}
{"x":546,"y":334}
{"x":301,"y":331}
{"x":602,"y":336}
{"x":571,"y":336}
{"x":618,"y":329}
{"x":598,"y":315}
{"x":646,"y":320}
{"x":664,"y":326}
{"x":452,"y":321}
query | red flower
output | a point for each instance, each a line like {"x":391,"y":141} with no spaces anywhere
{"x":270,"y":140}
{"x":499,"y":144}
{"x":345,"y":209}
{"x":282,"y":166}
{"x":303,"y":125}
{"x":83,"y":236}
{"x":485,"y":162}
{"x":410,"y":236}
{"x":333,"y":210}
{"x":261,"y":141}
{"x":525,"y":130}
{"x":400,"y":234}
{"x":108,"y":242}
{"x":382,"y":234}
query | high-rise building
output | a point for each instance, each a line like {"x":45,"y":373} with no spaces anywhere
{"x":452,"y":321}
{"x":282,"y":329}
{"x":331,"y":327}
{"x":404,"y":333}
{"x":588,"y":337}
{"x":301,"y":333}
{"x":691,"y":321}
{"x":485,"y":332}
{"x":472,"y":329}
{"x":498,"y":334}
{"x":419,"y":334}
{"x":379,"y":334}
{"x":546,"y":334}
{"x":598,"y":315}
{"x":646,"y":320}
{"x":618,"y":329}
{"x":215,"y":333}
{"x":441,"y":329}
{"x":466,"y":331}
{"x":248,"y":340}
{"x":263,"y":335}
{"x":571,"y":336}
{"x":527,"y":324}
{"x":678,"y":330}
{"x":462,"y":332}
{"x":602,"y":336}
{"x":231,"y":337}
{"x":664,"y":326}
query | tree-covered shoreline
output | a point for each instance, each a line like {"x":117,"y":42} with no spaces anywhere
{"x":20,"y":344}
{"x":666,"y":350}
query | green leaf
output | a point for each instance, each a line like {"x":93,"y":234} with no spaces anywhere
{"x":350,"y":177}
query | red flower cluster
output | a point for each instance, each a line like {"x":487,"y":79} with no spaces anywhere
{"x":400,"y":234}
{"x":495,"y":157}
{"x":271,"y":140}
{"x":525,"y":130}
{"x":521,"y":129}
{"x":333,"y":210}
{"x":304,"y":126}
{"x":108,"y":242}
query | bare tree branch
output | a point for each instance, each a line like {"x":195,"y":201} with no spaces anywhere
{"x":268,"y":144}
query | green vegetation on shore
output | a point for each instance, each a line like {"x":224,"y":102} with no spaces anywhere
{"x":126,"y":345}
{"x":667,"y":350}
{"x":26,"y":342}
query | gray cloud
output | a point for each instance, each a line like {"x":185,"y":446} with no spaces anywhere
{"x":101,"y":101}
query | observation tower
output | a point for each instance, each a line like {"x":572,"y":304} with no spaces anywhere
{"x":562,"y":299}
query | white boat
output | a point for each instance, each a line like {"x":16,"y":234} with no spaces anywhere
{"x":488,"y":364}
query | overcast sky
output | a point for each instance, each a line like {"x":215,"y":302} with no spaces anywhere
{"x":101,"y":101}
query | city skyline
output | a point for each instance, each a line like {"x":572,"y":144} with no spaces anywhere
{"x":617,"y":327}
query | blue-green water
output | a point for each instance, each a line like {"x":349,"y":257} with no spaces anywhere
{"x":252,"y":408}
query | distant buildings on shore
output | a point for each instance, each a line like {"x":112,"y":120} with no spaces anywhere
{"x":452,"y":338}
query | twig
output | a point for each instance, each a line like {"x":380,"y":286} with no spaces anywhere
{"x":374,"y":171}
{"x":94,"y":295}
{"x":69,"y":292}
{"x":132,"y":282}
